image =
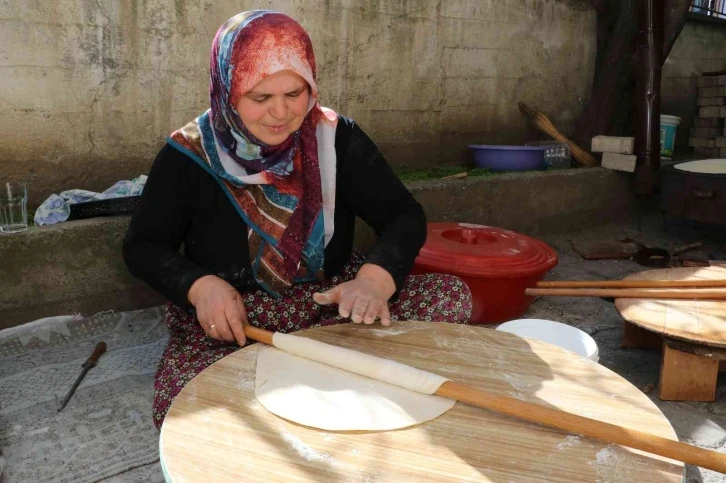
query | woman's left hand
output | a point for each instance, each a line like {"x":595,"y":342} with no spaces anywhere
{"x":364,"y":298}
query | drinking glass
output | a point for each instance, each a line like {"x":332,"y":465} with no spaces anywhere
{"x":13,"y":207}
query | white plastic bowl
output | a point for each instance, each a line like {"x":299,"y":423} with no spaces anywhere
{"x":556,"y":333}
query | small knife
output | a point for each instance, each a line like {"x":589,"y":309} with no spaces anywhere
{"x":88,"y":365}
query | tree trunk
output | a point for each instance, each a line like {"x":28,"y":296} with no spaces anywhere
{"x":675,"y":13}
{"x":616,"y":43}
{"x":606,"y":112}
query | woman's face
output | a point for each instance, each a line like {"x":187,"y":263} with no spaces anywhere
{"x":275,"y":107}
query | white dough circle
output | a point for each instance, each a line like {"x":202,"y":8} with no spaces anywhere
{"x":707,"y":166}
{"x":326,"y":397}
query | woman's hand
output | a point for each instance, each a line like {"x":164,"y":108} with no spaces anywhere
{"x":220,"y":309}
{"x":364,"y":298}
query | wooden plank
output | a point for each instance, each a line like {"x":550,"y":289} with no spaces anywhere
{"x":635,"y":337}
{"x":687,"y":377}
{"x":217,"y":431}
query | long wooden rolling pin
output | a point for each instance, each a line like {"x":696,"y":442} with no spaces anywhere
{"x":631,"y":284}
{"x":564,"y":421}
{"x":630,"y":293}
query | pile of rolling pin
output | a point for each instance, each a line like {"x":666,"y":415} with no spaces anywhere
{"x":708,"y":134}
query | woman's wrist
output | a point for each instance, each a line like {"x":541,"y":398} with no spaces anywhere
{"x":194,"y":289}
{"x":380,"y":276}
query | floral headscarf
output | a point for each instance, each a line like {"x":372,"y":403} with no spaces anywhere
{"x":284,"y":193}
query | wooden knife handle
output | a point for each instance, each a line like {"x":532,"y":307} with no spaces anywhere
{"x":97,"y":352}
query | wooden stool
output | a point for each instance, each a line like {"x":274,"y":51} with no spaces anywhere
{"x":217,"y":431}
{"x":690,"y":333}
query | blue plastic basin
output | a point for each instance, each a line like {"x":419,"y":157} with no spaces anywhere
{"x":508,"y":158}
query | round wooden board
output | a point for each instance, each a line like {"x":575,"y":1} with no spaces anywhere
{"x":217,"y":431}
{"x":697,"y":321}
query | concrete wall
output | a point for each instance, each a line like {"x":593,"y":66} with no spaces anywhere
{"x":78,"y":267}
{"x":701,"y":47}
{"x":90,"y":88}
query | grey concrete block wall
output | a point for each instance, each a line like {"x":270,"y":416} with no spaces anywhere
{"x":701,"y":47}
{"x":532,"y":203}
{"x":91,"y":88}
{"x":78,"y":267}
{"x":73,"y":267}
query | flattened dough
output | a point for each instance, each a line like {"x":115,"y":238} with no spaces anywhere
{"x":326,"y":397}
{"x":709,"y":166}
{"x":359,"y":362}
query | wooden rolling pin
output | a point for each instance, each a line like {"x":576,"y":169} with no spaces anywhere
{"x":542,"y":123}
{"x":631,"y":284}
{"x":629,"y":293}
{"x":564,"y":421}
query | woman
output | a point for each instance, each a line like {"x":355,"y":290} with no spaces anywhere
{"x":263,"y":190}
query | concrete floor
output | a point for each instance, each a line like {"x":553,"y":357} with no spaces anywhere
{"x":702,"y":424}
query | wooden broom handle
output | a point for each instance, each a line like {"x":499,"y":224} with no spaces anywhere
{"x":564,"y":421}
{"x":629,"y":293}
{"x":576,"y":151}
{"x":543,"y":123}
{"x":591,"y":428}
{"x":631,"y":284}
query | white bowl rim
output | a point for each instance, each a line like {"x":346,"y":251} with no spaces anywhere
{"x":588,"y":342}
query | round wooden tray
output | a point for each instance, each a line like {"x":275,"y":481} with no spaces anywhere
{"x":217,"y":431}
{"x":695,"y":321}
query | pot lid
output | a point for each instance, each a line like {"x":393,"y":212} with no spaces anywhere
{"x":483,"y":251}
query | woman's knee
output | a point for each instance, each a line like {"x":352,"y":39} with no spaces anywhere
{"x":456,"y":297}
{"x":438,"y":297}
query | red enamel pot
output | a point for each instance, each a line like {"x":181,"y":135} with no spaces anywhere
{"x":496,"y":264}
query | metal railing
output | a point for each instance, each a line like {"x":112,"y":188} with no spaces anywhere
{"x":709,"y":8}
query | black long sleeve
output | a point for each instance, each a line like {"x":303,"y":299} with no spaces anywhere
{"x":157,"y":229}
{"x":182,"y":204}
{"x":373,"y":192}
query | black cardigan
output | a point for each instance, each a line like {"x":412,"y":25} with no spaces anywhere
{"x":182,"y":203}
